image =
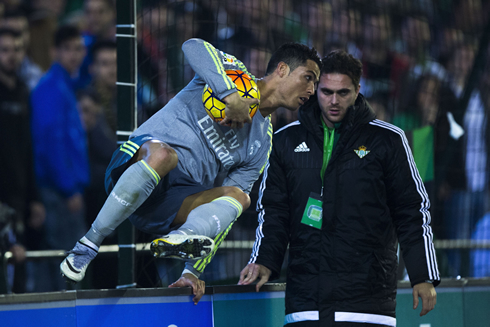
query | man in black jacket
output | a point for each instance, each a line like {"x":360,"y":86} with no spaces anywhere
{"x":341,"y":189}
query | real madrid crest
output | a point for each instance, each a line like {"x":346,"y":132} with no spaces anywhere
{"x":362,"y":151}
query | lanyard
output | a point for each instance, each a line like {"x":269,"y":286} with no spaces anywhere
{"x":328,"y":139}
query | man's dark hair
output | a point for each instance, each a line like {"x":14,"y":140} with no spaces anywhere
{"x":65,"y":33}
{"x":294,"y":55}
{"x":9,"y":32}
{"x":103,"y":45}
{"x":341,"y":62}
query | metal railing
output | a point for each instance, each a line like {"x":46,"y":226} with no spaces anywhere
{"x":143,"y":248}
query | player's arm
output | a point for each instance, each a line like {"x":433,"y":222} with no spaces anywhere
{"x":272,"y":236}
{"x":409,"y":205}
{"x":209,"y":65}
{"x":251,"y":272}
{"x":191,"y":280}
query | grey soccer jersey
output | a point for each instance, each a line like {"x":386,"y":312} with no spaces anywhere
{"x":211,"y":154}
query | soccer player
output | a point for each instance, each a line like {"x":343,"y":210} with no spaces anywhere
{"x":164,"y":177}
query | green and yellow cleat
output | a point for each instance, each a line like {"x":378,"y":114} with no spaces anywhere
{"x":183,"y":247}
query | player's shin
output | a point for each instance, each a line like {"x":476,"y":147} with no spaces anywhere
{"x":132,"y":189}
{"x":211,"y":218}
{"x":194,"y":239}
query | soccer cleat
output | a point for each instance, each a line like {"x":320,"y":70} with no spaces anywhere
{"x":184,"y":247}
{"x":75,"y":265}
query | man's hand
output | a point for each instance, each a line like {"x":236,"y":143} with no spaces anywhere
{"x":37,"y":216}
{"x":237,"y":110}
{"x":198,"y":286}
{"x":18,"y":253}
{"x":427,"y":293}
{"x":253,"y":271}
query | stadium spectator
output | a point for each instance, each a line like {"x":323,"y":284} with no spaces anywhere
{"x":378,"y":105}
{"x":43,"y":22}
{"x":100,"y":25}
{"x":341,"y":211}
{"x":480,"y":258}
{"x":60,"y":153}
{"x":468,"y":175}
{"x":17,"y":183}
{"x":29,"y":71}
{"x":153,"y":34}
{"x":8,"y":242}
{"x":11,"y":5}
{"x":415,"y":42}
{"x":104,"y":72}
{"x":319,"y":24}
{"x":347,"y":31}
{"x":427,"y":120}
{"x":382,"y":68}
{"x":468,"y":16}
{"x":193,"y":188}
{"x":447,"y":37}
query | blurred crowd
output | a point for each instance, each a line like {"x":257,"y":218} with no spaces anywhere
{"x":426,"y":69}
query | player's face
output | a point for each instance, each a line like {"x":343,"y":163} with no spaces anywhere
{"x":336,"y":93}
{"x":300,"y":85}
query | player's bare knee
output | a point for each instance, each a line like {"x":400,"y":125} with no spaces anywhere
{"x":246,"y":201}
{"x":238,"y":194}
{"x":160,"y":156}
{"x":163,"y":159}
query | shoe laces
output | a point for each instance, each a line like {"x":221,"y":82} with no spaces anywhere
{"x":82,"y":255}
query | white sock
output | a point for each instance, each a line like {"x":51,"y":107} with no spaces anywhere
{"x":131,"y":190}
{"x":211,"y":218}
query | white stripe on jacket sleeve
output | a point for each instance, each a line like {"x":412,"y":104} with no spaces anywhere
{"x":430,"y":252}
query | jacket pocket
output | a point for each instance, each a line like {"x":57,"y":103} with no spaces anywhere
{"x":385,"y":271}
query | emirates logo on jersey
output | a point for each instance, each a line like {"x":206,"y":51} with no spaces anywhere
{"x":222,"y":144}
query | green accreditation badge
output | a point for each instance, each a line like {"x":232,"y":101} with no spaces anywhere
{"x":313,"y":212}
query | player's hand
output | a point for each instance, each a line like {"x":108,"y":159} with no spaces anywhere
{"x":427,"y":293}
{"x":198,"y":286}
{"x":253,"y":271}
{"x":237,"y":110}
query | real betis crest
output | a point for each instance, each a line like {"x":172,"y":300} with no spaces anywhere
{"x":362,"y":151}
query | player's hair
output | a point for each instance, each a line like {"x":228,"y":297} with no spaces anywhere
{"x":10,"y":32}
{"x":65,"y":33}
{"x":294,"y":55}
{"x":103,"y":45}
{"x":341,"y":62}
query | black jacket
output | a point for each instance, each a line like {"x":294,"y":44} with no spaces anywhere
{"x":349,"y":266}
